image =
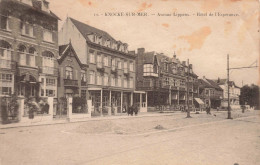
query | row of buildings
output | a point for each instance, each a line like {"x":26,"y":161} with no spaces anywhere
{"x":80,"y":60}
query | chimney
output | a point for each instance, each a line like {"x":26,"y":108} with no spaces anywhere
{"x":140,"y":51}
{"x":174,"y":56}
{"x":190,"y":66}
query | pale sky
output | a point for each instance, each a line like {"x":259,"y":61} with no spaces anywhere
{"x":204,"y":40}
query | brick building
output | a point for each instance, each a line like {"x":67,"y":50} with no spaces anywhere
{"x":72,"y":73}
{"x":165,"y":79}
{"x":28,"y":48}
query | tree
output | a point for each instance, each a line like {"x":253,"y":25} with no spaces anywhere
{"x":250,"y":96}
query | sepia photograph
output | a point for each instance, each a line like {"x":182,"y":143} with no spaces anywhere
{"x":129,"y":82}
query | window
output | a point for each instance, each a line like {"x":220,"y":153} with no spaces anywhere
{"x":91,"y":56}
{"x":6,"y":77}
{"x":47,"y":36}
{"x":131,"y":66}
{"x":125,"y":65}
{"x":22,"y":55}
{"x":148,"y":69}
{"x":50,"y":82}
{"x":99,"y":79}
{"x":48,"y":59}
{"x":4,"y":22}
{"x":119,"y":64}
{"x":166,"y":80}
{"x":119,"y":81}
{"x":92,"y":77}
{"x":32,"y":53}
{"x":50,"y":92}
{"x":83,"y":76}
{"x":131,"y":81}
{"x":27,"y":29}
{"x":113,"y":81}
{"x":105,"y":61}
{"x":125,"y":82}
{"x":5,"y":90}
{"x":105,"y":79}
{"x":166,"y":67}
{"x":99,"y":61}
{"x":206,"y":91}
{"x":69,"y":72}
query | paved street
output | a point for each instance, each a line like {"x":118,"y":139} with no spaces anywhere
{"x":172,"y":139}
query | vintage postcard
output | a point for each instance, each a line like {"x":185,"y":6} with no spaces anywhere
{"x":135,"y":82}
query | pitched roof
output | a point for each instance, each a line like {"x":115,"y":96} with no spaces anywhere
{"x":85,"y":30}
{"x":203,"y":83}
{"x":214,"y":84}
{"x":149,"y":58}
{"x":63,"y":54}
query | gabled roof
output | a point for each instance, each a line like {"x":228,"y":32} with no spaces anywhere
{"x":223,"y":82}
{"x":204,"y":84}
{"x":214,"y":84}
{"x":149,"y":58}
{"x":62,"y":54}
{"x":86,"y":30}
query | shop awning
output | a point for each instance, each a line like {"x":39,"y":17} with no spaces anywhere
{"x":199,"y":100}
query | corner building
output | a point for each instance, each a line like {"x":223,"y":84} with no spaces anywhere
{"x":28,"y":49}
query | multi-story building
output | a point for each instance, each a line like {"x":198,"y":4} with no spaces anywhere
{"x":72,"y":73}
{"x":164,"y":79}
{"x":210,"y":92}
{"x":28,"y":48}
{"x":111,"y":72}
{"x":234,"y":93}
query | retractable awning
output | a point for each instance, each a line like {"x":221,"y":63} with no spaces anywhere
{"x":199,"y":100}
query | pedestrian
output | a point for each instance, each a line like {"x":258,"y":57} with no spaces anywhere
{"x":135,"y":109}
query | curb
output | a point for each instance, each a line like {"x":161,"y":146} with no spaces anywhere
{"x":85,"y":120}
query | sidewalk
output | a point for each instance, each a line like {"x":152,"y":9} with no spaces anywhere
{"x":65,"y":121}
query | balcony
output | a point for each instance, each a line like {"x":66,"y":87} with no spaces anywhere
{"x":7,"y":64}
{"x":48,"y":70}
{"x":100,"y":66}
{"x":83,"y":83}
{"x":69,"y":82}
{"x":150,"y":74}
{"x":113,"y":69}
{"x":126,"y":71}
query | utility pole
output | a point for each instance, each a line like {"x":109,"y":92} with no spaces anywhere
{"x":188,"y":92}
{"x":228,"y":69}
{"x":229,"y":112}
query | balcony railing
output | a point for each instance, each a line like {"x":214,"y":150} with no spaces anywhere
{"x":48,"y":70}
{"x":5,"y":64}
{"x":113,"y":69}
{"x":83,"y":83}
{"x":69,"y":82}
{"x":100,"y":65}
{"x":151,"y":74}
{"x":126,"y":71}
